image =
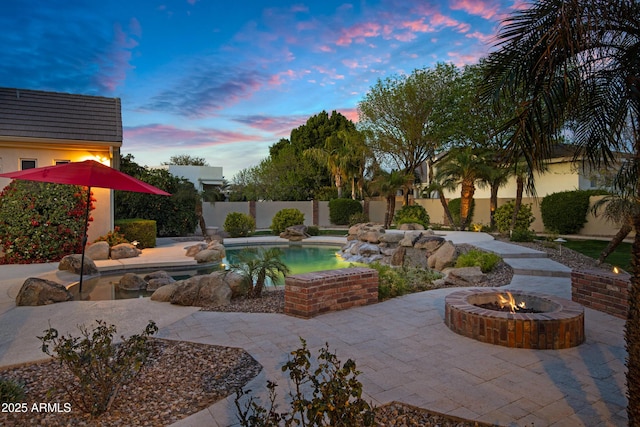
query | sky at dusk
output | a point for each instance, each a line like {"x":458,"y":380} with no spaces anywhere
{"x":225,"y":80}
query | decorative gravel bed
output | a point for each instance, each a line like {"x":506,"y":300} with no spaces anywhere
{"x":183,"y":378}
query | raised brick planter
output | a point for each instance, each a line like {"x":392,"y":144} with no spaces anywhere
{"x":601,"y":290}
{"x":307,"y":295}
{"x":561,"y":325}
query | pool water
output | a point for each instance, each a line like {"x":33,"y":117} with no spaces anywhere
{"x":299,"y":259}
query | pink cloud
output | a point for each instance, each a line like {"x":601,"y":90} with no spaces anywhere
{"x":350,"y":113}
{"x":280,"y":126}
{"x":278,"y":79}
{"x":359,"y":33}
{"x":329,"y":72}
{"x":155,"y":135}
{"x":461,"y":60}
{"x":440,"y":20}
{"x":487,"y":9}
{"x":326,"y":49}
{"x":484,"y":38}
{"x":116,"y":62}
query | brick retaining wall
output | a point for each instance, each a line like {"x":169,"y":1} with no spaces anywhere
{"x":307,"y":295}
{"x":601,"y":290}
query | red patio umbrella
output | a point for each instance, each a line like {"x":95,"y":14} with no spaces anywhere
{"x":89,"y":174}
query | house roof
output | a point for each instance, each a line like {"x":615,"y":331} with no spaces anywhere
{"x":53,"y":115}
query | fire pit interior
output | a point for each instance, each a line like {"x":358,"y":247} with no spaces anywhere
{"x":515,"y":318}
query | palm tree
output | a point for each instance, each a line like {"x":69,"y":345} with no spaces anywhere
{"x":387,"y":185}
{"x":258,"y":266}
{"x":620,"y":209}
{"x":576,"y":62}
{"x":462,"y":166}
{"x":438,"y":187}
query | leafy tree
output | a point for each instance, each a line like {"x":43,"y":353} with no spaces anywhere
{"x":463,"y":166}
{"x":258,"y":265}
{"x":403,"y":116}
{"x":576,"y":62}
{"x":186,"y":160}
{"x":174,"y":216}
{"x":387,"y":185}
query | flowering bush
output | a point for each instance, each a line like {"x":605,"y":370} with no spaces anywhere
{"x":41,"y":222}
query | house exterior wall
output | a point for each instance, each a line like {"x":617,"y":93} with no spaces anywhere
{"x":11,"y":154}
{"x":198,"y":175}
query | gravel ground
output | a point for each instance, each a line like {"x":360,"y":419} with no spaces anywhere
{"x":182,"y":378}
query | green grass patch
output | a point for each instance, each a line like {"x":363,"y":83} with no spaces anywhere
{"x":621,"y":257}
{"x":339,"y":232}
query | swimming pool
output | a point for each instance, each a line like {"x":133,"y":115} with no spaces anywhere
{"x":299,"y":258}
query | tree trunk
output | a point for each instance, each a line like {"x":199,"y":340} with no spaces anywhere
{"x":200,"y":215}
{"x":256,"y":292}
{"x":466,"y":198}
{"x":632,"y":332}
{"x":493,"y":205}
{"x":445,"y":207}
{"x":353,"y":188}
{"x":518,"y":203}
{"x":613,"y":244}
{"x":391,"y":207}
{"x":338,"y":178}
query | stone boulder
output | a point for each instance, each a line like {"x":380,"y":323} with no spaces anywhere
{"x":164,"y":293}
{"x":202,"y":291}
{"x":35,"y":291}
{"x":444,"y":257}
{"x":391,"y":238}
{"x":410,"y":238}
{"x":429,"y":243}
{"x":295,"y":233}
{"x":239,"y":287}
{"x":157,"y":279}
{"x":97,"y":251}
{"x":214,"y":253}
{"x":73,"y":262}
{"x":465,"y":276}
{"x":370,"y":232}
{"x":192,"y":250}
{"x":411,"y":226}
{"x":124,"y":250}
{"x":397,"y":259}
{"x":132,"y":282}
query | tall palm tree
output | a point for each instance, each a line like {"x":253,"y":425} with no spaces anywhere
{"x":387,"y":185}
{"x":620,"y":209}
{"x":463,"y":167}
{"x":334,"y":155}
{"x":577,"y":62}
{"x":258,"y":266}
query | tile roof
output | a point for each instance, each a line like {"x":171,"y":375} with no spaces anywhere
{"x":53,"y":115}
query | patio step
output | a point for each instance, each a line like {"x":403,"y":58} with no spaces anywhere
{"x":538,"y":267}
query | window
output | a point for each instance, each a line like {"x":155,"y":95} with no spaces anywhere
{"x":28,"y":164}
{"x":62,"y":162}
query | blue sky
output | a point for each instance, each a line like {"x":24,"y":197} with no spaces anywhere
{"x":225,"y":80}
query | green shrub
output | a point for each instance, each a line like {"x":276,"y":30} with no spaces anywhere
{"x":566,"y":212}
{"x":142,"y":231}
{"x":340,"y":210}
{"x":114,"y":237}
{"x":238,"y":224}
{"x":11,"y":391}
{"x":313,"y":230}
{"x":504,"y":213}
{"x":99,"y":367}
{"x":523,"y":236}
{"x":41,"y":222}
{"x":475,"y":258}
{"x":412,"y":214}
{"x":286,"y":218}
{"x":335,"y":400}
{"x":454,"y":208}
{"x":358,"y":218}
{"x":395,"y":282}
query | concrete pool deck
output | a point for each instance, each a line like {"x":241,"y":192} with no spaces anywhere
{"x":402,"y":346}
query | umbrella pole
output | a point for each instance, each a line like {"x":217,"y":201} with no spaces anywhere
{"x":84,"y":238}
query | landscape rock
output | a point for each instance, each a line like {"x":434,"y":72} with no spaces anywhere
{"x":215,"y":252}
{"x":124,"y":250}
{"x":157,"y":279}
{"x":97,"y":251}
{"x":410,"y":238}
{"x":73,"y":262}
{"x":132,"y":282}
{"x":202,"y":291}
{"x":192,"y":250}
{"x":35,"y":291}
{"x":465,"y":276}
{"x":164,"y":293}
{"x":445,"y":256}
{"x":397,"y":258}
{"x":239,"y":287}
{"x":429,"y":243}
{"x":391,"y":238}
{"x":411,"y":226}
{"x":295,"y":233}
{"x":415,"y":258}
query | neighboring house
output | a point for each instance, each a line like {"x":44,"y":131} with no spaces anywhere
{"x":40,"y":128}
{"x":202,"y":177}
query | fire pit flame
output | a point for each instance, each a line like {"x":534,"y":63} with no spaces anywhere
{"x":510,"y":302}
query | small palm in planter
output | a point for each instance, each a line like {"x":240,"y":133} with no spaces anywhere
{"x":258,"y":265}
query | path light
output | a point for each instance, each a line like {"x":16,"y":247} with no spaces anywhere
{"x":616,"y":270}
{"x":560,"y":240}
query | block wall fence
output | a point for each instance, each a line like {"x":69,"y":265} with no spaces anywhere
{"x":601,"y":290}
{"x":310,"y":294}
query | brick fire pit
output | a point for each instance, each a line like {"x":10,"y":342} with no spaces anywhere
{"x":558,"y":323}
